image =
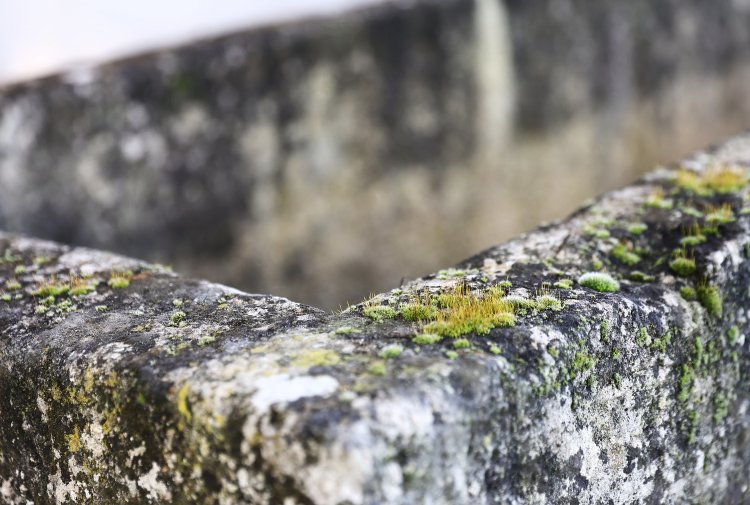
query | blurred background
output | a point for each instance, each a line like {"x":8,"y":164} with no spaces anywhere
{"x":322,"y":150}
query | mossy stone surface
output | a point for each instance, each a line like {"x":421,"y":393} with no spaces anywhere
{"x":635,"y":395}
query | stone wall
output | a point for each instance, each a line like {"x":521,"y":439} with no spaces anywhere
{"x":603,"y":359}
{"x":374,"y":146}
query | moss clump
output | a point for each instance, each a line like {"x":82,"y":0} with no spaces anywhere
{"x":80,"y":287}
{"x":682,"y":266}
{"x":548,"y":302}
{"x":206,"y":340}
{"x":451,"y":354}
{"x":642,"y":338}
{"x":461,"y":343}
{"x":598,"y":233}
{"x":625,"y":256}
{"x":564,"y":284}
{"x":391,"y":351}
{"x":657,"y":200}
{"x":660,"y":344}
{"x":51,"y":287}
{"x":20,"y":270}
{"x":119,"y":280}
{"x":176,"y":317}
{"x":685,"y":386}
{"x":450,"y":273}
{"x":177,"y":303}
{"x":582,"y":361}
{"x":5,"y":297}
{"x":379,"y":312}
{"x":638,"y":276}
{"x":427,"y":339}
{"x":101,"y":308}
{"x":419,"y":309}
{"x":688,"y":293}
{"x":709,"y":297}
{"x":518,"y":302}
{"x":719,"y":179}
{"x":732,"y":334}
{"x":692,"y":240}
{"x":637,"y":228}
{"x":465,"y":312}
{"x":495,"y":350}
{"x":727,"y":179}
{"x":604,"y":331}
{"x":506,"y":284}
{"x":599,"y":281}
{"x":721,"y":407}
{"x":689,"y":181}
{"x":719,"y":215}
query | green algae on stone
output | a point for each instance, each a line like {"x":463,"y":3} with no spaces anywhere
{"x":599,"y":281}
{"x":316,"y":357}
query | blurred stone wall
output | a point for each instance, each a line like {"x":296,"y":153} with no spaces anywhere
{"x":317,"y":159}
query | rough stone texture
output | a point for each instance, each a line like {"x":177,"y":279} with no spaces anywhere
{"x":377,"y":145}
{"x":182,"y":391}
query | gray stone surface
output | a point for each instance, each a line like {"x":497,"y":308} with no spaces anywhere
{"x":134,"y":385}
{"x":378,"y":145}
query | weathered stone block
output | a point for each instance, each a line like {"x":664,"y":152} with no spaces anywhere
{"x":516,"y":377}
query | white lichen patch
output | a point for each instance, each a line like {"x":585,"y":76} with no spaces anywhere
{"x":156,"y":490}
{"x":92,"y":439}
{"x":540,"y":338}
{"x":283,"y":388}
{"x":43,"y":407}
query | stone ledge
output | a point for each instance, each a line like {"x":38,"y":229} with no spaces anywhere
{"x":121,"y":382}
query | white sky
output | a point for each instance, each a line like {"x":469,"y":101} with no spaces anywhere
{"x":38,"y":37}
